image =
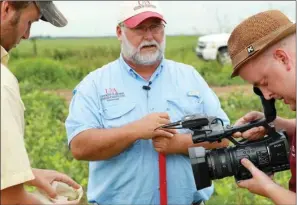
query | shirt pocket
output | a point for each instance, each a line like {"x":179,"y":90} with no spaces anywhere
{"x":117,"y":115}
{"x":178,"y":107}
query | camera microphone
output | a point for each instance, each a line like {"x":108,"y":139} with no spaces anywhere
{"x":147,"y":87}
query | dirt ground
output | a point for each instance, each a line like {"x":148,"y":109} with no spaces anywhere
{"x":220,"y":91}
{"x":247,"y":89}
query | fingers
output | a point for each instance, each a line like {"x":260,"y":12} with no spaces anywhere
{"x":163,"y":121}
{"x":66,"y":179}
{"x":157,"y":141}
{"x":163,"y":133}
{"x":161,"y":144}
{"x":251,"y":116}
{"x":245,"y":183}
{"x":241,"y":121}
{"x":172,"y":131}
{"x":251,"y":134}
{"x":48,"y":189}
{"x":254,"y":133}
{"x":237,"y":135}
{"x":158,"y":144}
{"x":249,"y":165}
{"x":163,"y":115}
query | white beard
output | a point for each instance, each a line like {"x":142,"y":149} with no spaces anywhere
{"x":133,"y":54}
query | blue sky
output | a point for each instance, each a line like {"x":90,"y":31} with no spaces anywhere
{"x":99,"y":18}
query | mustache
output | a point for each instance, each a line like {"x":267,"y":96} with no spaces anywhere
{"x":148,"y":43}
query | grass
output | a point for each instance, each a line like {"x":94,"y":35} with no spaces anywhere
{"x":81,"y":56}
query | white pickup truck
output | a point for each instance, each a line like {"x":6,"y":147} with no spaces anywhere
{"x":214,"y":47}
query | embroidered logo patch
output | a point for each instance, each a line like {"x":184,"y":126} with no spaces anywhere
{"x":112,"y":94}
{"x":250,"y":49}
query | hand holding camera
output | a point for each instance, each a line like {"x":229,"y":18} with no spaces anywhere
{"x":254,"y":133}
{"x":260,"y":184}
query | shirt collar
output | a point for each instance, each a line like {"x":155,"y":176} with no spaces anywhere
{"x":134,"y":74}
{"x":4,"y":56}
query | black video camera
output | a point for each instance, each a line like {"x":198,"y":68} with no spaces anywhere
{"x":269,"y":154}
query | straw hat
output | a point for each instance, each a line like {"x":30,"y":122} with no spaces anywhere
{"x":256,"y":34}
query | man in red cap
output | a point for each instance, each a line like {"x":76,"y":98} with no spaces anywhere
{"x":263,"y":53}
{"x":134,"y":21}
{"x":116,"y":109}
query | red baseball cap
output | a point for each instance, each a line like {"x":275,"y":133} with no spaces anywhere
{"x":132,"y":13}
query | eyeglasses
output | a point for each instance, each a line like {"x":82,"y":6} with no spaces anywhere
{"x":141,"y":30}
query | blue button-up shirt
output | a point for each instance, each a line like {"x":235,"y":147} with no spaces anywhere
{"x":112,"y":96}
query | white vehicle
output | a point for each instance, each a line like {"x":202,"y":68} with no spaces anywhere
{"x":214,"y":47}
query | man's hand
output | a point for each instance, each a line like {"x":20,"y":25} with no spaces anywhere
{"x":253,"y":133}
{"x":164,"y":144}
{"x":260,"y":183}
{"x":44,"y":178}
{"x":178,"y":144}
{"x":146,"y":126}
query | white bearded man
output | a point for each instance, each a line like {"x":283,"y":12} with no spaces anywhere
{"x":116,"y":109}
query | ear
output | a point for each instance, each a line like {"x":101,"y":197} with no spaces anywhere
{"x":119,"y":33}
{"x":5,"y":9}
{"x":281,"y":56}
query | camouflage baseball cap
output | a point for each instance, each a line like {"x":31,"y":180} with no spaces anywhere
{"x":50,"y":13}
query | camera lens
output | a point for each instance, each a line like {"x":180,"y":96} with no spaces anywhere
{"x":219,"y":163}
{"x":269,"y":155}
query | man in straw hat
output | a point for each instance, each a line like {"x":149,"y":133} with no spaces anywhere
{"x":263,"y":53}
{"x":16,"y":20}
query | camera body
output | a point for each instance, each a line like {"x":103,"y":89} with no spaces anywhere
{"x":269,"y":154}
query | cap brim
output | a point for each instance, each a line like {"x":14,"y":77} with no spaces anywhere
{"x":137,"y":19}
{"x":50,"y":13}
{"x":290,"y":30}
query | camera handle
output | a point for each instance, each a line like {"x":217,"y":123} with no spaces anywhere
{"x":228,"y":131}
{"x":243,"y":128}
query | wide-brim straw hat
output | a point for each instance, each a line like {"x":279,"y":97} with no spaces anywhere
{"x":255,"y":34}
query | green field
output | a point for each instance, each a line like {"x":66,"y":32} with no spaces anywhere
{"x":62,"y":63}
{"x":80,"y":56}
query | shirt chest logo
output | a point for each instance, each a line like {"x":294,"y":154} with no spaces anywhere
{"x":111,"y":94}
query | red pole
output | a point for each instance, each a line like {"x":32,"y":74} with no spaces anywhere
{"x":162,"y":179}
